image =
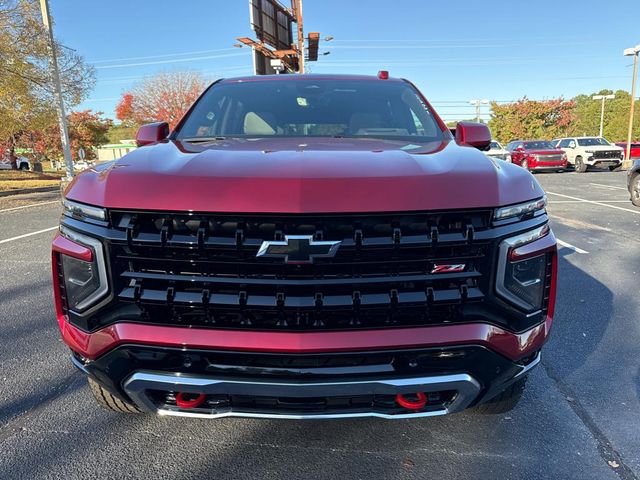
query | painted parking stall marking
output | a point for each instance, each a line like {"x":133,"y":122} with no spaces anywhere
{"x":37,"y":232}
{"x":570,"y":247}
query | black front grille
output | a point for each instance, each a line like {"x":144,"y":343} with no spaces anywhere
{"x":607,"y":154}
{"x":202,"y":269}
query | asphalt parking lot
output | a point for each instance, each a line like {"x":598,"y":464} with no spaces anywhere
{"x":579,"y":418}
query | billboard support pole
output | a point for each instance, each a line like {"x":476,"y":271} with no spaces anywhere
{"x":298,"y":13}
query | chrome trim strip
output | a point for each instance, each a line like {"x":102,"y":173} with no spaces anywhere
{"x":137,"y":384}
{"x":528,"y":367}
{"x":98,"y":250}
{"x":78,"y":364}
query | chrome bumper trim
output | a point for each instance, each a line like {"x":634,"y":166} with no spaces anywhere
{"x":136,"y":385}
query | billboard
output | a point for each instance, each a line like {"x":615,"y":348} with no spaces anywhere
{"x":272,"y":23}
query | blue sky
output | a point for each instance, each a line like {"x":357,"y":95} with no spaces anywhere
{"x":454,"y":51}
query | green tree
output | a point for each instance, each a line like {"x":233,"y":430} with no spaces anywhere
{"x":616,"y":116}
{"x":26,"y":93}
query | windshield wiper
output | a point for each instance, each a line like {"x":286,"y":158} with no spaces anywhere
{"x":203,"y":139}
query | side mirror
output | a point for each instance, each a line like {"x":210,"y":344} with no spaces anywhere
{"x":473,"y":134}
{"x":152,"y":133}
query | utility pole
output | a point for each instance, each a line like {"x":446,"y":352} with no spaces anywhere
{"x":603,"y":98}
{"x":297,"y":11}
{"x":628,"y":52}
{"x":477,"y":103}
{"x":55,"y":76}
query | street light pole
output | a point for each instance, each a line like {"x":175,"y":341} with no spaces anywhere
{"x":603,"y":98}
{"x":628,"y":52}
{"x":55,"y":76}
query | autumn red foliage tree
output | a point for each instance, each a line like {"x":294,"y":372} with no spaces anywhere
{"x":87,"y":129}
{"x":532,"y":119}
{"x":124,"y":109}
{"x":164,"y":97}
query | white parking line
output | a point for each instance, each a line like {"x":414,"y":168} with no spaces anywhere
{"x":570,"y":247}
{"x":580,"y":201}
{"x":607,"y":186}
{"x":637,"y":212}
{"x":7,"y":240}
{"x":28,"y":206}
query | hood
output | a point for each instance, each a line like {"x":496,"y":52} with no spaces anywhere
{"x":318,"y":176}
{"x":601,"y":147}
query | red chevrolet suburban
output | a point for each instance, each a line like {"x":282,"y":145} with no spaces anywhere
{"x":309,"y":246}
{"x":537,"y":155}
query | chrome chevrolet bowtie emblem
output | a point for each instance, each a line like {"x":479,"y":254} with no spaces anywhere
{"x":298,"y":249}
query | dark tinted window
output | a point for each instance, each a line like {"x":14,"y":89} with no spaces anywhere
{"x":345,"y":108}
{"x":589,"y":142}
{"x":538,"y":145}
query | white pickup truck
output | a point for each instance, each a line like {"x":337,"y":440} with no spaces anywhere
{"x":585,"y":152}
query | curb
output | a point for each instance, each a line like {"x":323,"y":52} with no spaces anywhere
{"x":23,"y":191}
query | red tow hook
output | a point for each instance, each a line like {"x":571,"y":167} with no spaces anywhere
{"x":412,"y":404}
{"x":187,"y":403}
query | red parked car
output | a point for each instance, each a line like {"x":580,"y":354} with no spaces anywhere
{"x":635,"y":148}
{"x":537,"y":155}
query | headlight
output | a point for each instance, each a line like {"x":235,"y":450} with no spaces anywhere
{"x":81,"y":211}
{"x":521,"y":281}
{"x":85,"y":282}
{"x":520,"y":209}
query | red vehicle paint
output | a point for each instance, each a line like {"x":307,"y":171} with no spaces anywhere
{"x":635,"y":148}
{"x":175,"y":258}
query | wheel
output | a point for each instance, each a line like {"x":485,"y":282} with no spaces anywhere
{"x":24,"y":166}
{"x":560,"y":171}
{"x":635,"y":190}
{"x":505,"y":401}
{"x":108,"y":401}
{"x":580,"y":166}
{"x":615,"y":168}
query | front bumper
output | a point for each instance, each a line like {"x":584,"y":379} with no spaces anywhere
{"x":540,"y":167}
{"x":309,"y":385}
{"x":604,"y":162}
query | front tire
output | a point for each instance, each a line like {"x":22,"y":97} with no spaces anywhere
{"x":635,"y":190}
{"x":24,"y":166}
{"x":580,"y":166}
{"x":108,"y":401}
{"x":505,"y":401}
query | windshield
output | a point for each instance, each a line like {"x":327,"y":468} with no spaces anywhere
{"x":588,"y":142}
{"x":539,"y":145}
{"x":311,"y":108}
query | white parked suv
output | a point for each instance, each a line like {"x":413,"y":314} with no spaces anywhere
{"x":497,"y":151}
{"x":21,"y":162}
{"x":585,"y":152}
